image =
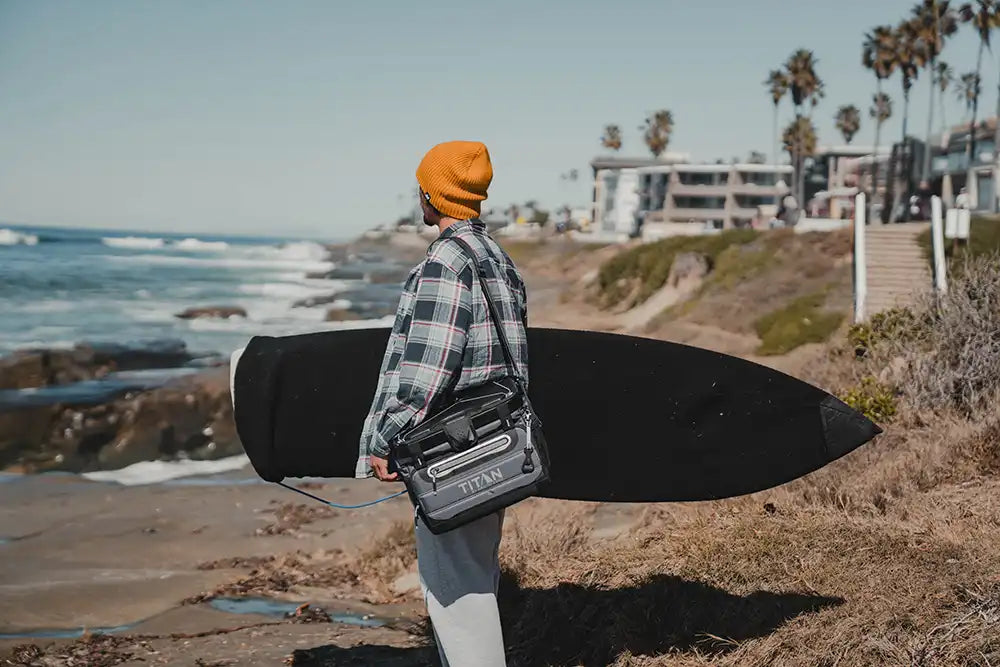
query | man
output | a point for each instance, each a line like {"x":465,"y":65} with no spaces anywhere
{"x":962,"y":201}
{"x":442,"y":341}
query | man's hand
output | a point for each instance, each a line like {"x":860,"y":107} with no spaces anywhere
{"x":381,"y":469}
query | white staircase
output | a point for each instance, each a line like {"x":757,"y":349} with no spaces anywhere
{"x":897,"y":268}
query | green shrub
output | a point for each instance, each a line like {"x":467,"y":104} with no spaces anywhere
{"x":984,"y":240}
{"x":896,"y":324}
{"x":872,"y":399}
{"x":646,"y":268}
{"x":797,"y":323}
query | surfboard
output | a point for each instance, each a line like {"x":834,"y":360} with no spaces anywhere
{"x":626,"y":419}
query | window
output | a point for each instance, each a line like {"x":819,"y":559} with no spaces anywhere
{"x":699,"y":178}
{"x":700,"y":202}
{"x":760,"y":178}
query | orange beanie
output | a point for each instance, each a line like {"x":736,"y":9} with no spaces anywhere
{"x":456,"y":175}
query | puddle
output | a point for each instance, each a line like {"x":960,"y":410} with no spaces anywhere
{"x":72,"y":633}
{"x":9,"y":477}
{"x":282,"y":608}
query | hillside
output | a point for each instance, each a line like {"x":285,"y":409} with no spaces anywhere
{"x":757,"y":295}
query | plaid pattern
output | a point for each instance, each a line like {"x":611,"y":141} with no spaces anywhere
{"x":443,"y":339}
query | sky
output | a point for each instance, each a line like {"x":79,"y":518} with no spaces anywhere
{"x":309,"y":118}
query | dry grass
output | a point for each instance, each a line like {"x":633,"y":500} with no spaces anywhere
{"x":748,"y":282}
{"x":961,"y":367}
{"x":733,"y":584}
{"x":886,"y":557}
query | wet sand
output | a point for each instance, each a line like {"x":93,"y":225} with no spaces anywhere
{"x":87,"y":555}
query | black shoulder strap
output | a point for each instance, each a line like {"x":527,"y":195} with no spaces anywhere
{"x":494,"y":315}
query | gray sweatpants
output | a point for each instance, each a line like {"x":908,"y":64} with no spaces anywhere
{"x":459,"y":575}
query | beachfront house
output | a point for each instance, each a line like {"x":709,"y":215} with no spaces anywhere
{"x":672,"y":196}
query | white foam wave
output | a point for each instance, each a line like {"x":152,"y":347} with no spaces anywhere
{"x":299,"y":250}
{"x":291,"y":289}
{"x":197,"y":245}
{"x":37,"y":343}
{"x":9,"y":237}
{"x":225,"y":262}
{"x":155,"y":472}
{"x":48,"y":306}
{"x":133,"y":242}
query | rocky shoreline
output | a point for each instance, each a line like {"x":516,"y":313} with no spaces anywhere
{"x":106,"y":406}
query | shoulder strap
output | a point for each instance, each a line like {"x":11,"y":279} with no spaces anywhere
{"x":494,"y":315}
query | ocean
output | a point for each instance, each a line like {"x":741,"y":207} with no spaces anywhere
{"x":60,"y":287}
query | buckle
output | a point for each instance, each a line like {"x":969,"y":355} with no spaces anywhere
{"x":460,"y":433}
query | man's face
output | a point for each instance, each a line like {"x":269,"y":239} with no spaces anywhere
{"x":431,"y":216}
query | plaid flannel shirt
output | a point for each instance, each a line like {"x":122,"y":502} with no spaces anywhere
{"x":443,"y":338}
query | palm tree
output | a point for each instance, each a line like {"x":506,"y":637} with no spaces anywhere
{"x":881,"y":111}
{"x":612,"y":137}
{"x":799,"y":138}
{"x":944,"y":77}
{"x":983,"y":16}
{"x":910,"y":57}
{"x":805,"y":86}
{"x":777,"y":86}
{"x":848,"y":121}
{"x":878,"y":53}
{"x":657,"y":130}
{"x":967,"y":90}
{"x":933,"y":21}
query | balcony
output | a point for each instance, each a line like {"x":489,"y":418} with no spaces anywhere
{"x":758,"y":190}
{"x":698,"y":190}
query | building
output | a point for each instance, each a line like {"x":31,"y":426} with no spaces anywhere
{"x":835,"y":174}
{"x":616,"y":199}
{"x":950,"y":165}
{"x":673,"y":196}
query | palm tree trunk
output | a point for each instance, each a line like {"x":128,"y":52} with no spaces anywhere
{"x":944,"y":119}
{"x":878,"y":131}
{"x":971,"y":175}
{"x":995,"y":202}
{"x":774,"y":136}
{"x":905,"y":165}
{"x":925,"y":170}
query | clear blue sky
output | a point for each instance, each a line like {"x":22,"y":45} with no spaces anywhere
{"x":308,"y":118}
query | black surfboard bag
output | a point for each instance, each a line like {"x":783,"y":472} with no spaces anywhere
{"x":483,"y":450}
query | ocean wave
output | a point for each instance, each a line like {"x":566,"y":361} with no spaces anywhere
{"x":133,"y":242}
{"x":9,"y":237}
{"x":308,"y":251}
{"x":197,"y":245}
{"x":155,"y":472}
{"x":292,"y":289}
{"x":47,"y":306}
{"x":276,"y":264}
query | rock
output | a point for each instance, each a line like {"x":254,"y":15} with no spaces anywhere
{"x":43,"y":368}
{"x":340,"y":273}
{"x":406,"y":583}
{"x":163,"y":353}
{"x":192,"y":416}
{"x":341,"y":315}
{"x":388,"y":276}
{"x":312,"y":301}
{"x":223,"y":312}
{"x":688,"y":266}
